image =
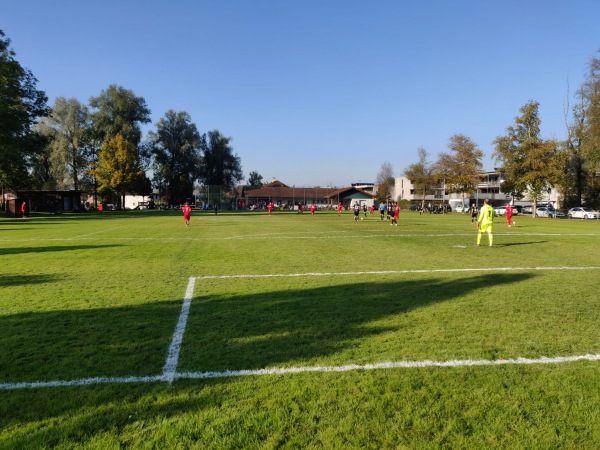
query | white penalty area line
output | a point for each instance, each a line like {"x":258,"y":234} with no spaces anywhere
{"x":170,"y":367}
{"x":302,"y":369}
{"x":170,"y":373}
{"x":388,"y":365}
{"x":395,"y":272}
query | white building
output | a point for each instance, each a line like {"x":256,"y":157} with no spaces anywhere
{"x":489,"y":187}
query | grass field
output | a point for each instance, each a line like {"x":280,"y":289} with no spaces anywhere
{"x":129,"y":330}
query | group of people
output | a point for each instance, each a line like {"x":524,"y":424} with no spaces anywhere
{"x":484,"y":217}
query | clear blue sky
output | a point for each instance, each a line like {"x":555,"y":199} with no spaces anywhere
{"x":319,"y":92}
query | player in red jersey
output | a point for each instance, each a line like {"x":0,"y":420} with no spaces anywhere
{"x":339,"y":208}
{"x":187,"y":212}
{"x":509,"y":213}
{"x":396,"y":214}
{"x":312,"y":209}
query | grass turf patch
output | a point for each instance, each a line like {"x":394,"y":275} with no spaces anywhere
{"x":100,"y":295}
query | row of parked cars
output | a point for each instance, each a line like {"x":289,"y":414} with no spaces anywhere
{"x":579,"y":212}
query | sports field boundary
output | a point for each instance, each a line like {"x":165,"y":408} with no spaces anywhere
{"x":170,"y":373}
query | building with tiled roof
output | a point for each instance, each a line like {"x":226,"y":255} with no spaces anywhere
{"x":288,"y":197}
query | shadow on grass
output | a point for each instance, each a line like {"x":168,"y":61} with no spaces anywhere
{"x":510,"y":244}
{"x":24,"y":280}
{"x":73,"y":344}
{"x":223,"y":332}
{"x":227,"y":332}
{"x":299,"y":326}
{"x":52,"y":248}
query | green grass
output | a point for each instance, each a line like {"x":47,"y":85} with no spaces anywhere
{"x":99,"y":295}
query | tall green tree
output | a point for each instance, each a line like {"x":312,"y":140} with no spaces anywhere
{"x":422,"y":175}
{"x":220,"y":166}
{"x":176,"y":150}
{"x":528,"y":162}
{"x":385,"y":182}
{"x":68,"y":127}
{"x":41,"y":169}
{"x":255,"y":179}
{"x":460,"y":170}
{"x":21,"y":105}
{"x":118,"y":111}
{"x":584,"y":138}
{"x":118,"y":170}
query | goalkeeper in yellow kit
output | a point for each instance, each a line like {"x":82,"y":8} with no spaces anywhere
{"x":485,"y":222}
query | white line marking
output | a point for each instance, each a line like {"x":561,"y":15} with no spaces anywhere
{"x":387,"y":365}
{"x":294,"y":236}
{"x":394,"y":272}
{"x":79,"y":382}
{"x":170,"y":368}
{"x":83,"y":236}
{"x":294,"y":370}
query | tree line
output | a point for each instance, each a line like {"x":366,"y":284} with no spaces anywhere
{"x":529,"y":164}
{"x":98,"y":146}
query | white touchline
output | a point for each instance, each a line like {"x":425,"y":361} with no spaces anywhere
{"x":170,"y":368}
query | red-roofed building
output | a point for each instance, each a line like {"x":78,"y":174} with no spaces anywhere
{"x":286,"y":197}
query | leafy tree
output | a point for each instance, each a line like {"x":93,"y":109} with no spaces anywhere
{"x":527,"y":161}
{"x":460,"y":169}
{"x":176,"y":150}
{"x":21,"y":104}
{"x":385,"y":182}
{"x":220,"y":167}
{"x":583,"y":141}
{"x":118,"y":170}
{"x":42,"y":173}
{"x":422,"y":175}
{"x":255,"y":179}
{"x":68,"y":127}
{"x":118,"y":111}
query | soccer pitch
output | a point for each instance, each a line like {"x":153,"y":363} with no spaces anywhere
{"x":244,"y":330}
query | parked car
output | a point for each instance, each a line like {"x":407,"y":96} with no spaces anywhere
{"x":527,"y":209}
{"x":581,"y":212}
{"x":545,"y":211}
{"x":500,"y":210}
